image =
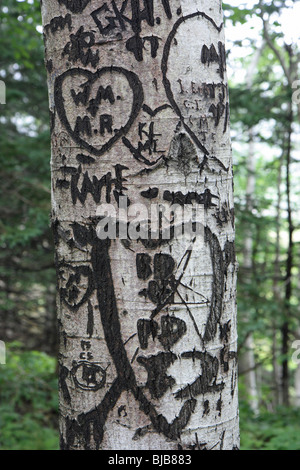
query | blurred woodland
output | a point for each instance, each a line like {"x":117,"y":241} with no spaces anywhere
{"x":263,"y":67}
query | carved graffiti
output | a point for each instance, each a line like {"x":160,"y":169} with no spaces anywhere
{"x":89,"y":375}
{"x":59,"y":23}
{"x":76,"y":284}
{"x":210,"y":55}
{"x":87,"y":99}
{"x":102,"y":111}
{"x":75,"y":6}
{"x":147,"y":144}
{"x":79,"y":48}
{"x":211,"y":98}
{"x":95,"y":187}
{"x":113,"y":19}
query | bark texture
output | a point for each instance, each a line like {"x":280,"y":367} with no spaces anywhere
{"x":139,"y":108}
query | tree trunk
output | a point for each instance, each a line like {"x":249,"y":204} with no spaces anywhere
{"x":289,"y":266}
{"x":277,"y":292}
{"x":140,"y":123}
{"x":247,"y":361}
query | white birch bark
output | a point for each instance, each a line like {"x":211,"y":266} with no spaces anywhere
{"x":139,"y":108}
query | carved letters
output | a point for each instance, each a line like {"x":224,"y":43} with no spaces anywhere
{"x":91,"y":93}
{"x":102,"y":111}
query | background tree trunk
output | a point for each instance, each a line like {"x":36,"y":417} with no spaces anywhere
{"x":139,"y":109}
{"x":285,"y":373}
{"x":247,"y":360}
{"x":277,"y":291}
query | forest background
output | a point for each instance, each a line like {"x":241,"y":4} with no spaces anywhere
{"x":263,"y":52}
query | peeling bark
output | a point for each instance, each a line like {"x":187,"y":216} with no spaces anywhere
{"x":139,"y":109}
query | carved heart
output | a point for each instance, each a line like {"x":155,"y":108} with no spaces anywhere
{"x":98,"y":108}
{"x":76,"y":6}
{"x":161,"y":381}
{"x":76,"y":284}
{"x":198,"y":90}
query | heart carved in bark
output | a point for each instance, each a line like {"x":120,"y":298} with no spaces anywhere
{"x":76,"y":284}
{"x":75,"y":6}
{"x":98,"y":108}
{"x":195,"y":91}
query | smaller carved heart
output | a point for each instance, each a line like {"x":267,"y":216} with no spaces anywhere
{"x":76,"y":284}
{"x":75,"y":6}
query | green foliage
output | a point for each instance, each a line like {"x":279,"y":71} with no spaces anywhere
{"x":28,"y":401}
{"x":26,"y":246}
{"x":278,"y":430}
{"x":24,"y":127}
{"x":236,"y":15}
